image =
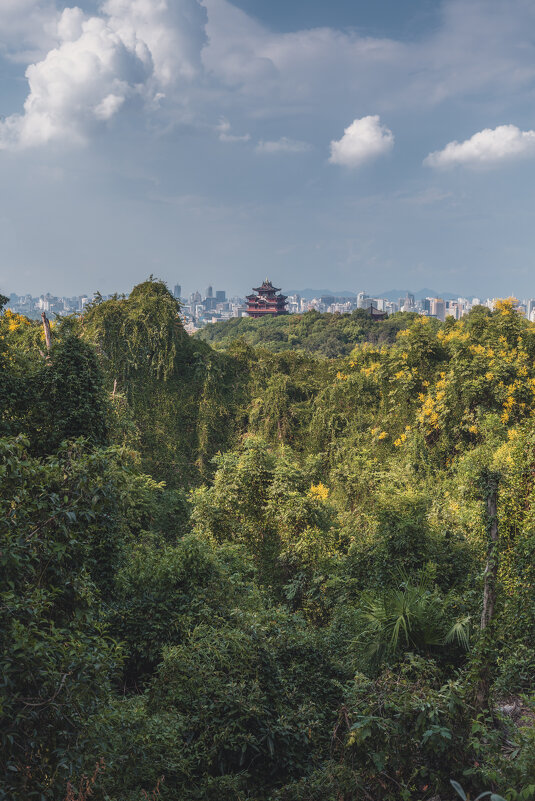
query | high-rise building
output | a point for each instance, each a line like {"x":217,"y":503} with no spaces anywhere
{"x":209,"y":292}
{"x":438,"y":309}
{"x":177,"y":292}
{"x":362,"y":299}
{"x":220,"y":296}
{"x":408,"y":302}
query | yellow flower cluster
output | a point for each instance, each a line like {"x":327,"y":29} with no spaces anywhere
{"x":319,"y":491}
{"x":14,"y":321}
{"x":402,"y":437}
{"x":372,"y":368}
{"x":341,"y":376}
{"x":508,"y":404}
{"x":454,"y":335}
{"x":428,"y":413}
{"x":375,"y":433}
{"x":505,"y":305}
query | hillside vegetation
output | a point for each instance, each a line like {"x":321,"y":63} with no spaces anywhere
{"x":259,"y":573}
{"x":327,"y":335}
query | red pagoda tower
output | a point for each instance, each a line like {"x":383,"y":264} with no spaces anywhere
{"x":267,"y":302}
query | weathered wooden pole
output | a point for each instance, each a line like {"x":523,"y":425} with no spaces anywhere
{"x":48,"y":333}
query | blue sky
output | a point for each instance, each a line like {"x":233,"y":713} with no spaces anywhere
{"x":349,"y":145}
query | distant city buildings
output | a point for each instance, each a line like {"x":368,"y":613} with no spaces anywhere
{"x":198,"y":310}
{"x":52,"y":305}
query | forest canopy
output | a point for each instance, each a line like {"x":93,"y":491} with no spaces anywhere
{"x":327,"y":335}
{"x":298,"y":566}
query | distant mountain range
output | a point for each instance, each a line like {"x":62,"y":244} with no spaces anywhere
{"x":391,"y":294}
{"x":308,"y":294}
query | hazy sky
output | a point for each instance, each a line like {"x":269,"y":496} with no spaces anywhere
{"x":341,"y":144}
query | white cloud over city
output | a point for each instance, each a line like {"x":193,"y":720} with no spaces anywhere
{"x":282,"y":131}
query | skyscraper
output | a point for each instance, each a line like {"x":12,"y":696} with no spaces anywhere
{"x":177,"y":292}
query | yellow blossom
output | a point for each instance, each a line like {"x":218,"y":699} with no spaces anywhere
{"x":319,"y":491}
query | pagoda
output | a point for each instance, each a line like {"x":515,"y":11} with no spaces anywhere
{"x":266,"y":303}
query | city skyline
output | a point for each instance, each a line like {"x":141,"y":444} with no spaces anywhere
{"x":200,"y":309}
{"x":189,"y":289}
{"x":383,"y":144}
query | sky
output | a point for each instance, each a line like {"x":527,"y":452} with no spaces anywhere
{"x":342,"y":144}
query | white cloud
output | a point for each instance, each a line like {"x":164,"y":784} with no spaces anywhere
{"x":477,"y":48}
{"x":204,"y":57}
{"x":85,"y":79}
{"x":225,"y":135}
{"x":365,"y":139}
{"x":134,"y":49}
{"x":283,"y":145}
{"x":171,"y":31}
{"x":485,"y":148}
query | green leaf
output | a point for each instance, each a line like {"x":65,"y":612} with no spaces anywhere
{"x":458,"y":789}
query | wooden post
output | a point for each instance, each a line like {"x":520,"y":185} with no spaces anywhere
{"x":48,"y":333}
{"x":114,"y":388}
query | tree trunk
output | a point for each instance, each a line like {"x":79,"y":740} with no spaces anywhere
{"x":48,"y":333}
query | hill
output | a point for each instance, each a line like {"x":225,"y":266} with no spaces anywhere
{"x":326,"y":335}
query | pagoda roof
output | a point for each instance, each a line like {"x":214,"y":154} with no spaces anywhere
{"x":267,"y":286}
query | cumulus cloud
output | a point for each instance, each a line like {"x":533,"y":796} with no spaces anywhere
{"x":476,"y":47}
{"x":365,"y":139}
{"x":210,"y":55}
{"x":135,"y":48}
{"x":489,"y":147}
{"x":283,"y":145}
{"x":224,"y":128}
{"x":85,"y":79}
{"x":171,"y":31}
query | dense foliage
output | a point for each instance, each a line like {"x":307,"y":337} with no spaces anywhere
{"x":327,"y":335}
{"x":259,"y":573}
